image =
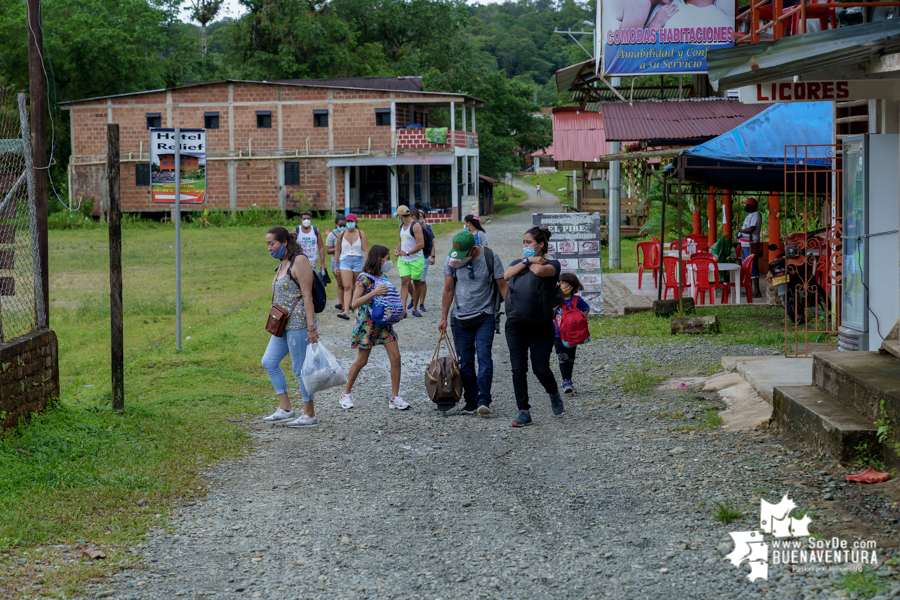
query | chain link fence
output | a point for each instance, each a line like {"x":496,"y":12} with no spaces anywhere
{"x":21,"y":299}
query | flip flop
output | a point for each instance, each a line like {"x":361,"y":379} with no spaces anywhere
{"x":343,"y":316}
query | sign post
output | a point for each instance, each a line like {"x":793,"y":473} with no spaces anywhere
{"x":178,"y":239}
{"x":173,"y":152}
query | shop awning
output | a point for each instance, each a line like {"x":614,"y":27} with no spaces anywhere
{"x":653,"y":120}
{"x":391,"y":161}
{"x":752,"y":156}
{"x":830,"y":53}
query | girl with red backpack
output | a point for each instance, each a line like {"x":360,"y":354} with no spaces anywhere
{"x":571,"y":327}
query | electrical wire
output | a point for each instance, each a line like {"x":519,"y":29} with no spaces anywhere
{"x":54,"y":129}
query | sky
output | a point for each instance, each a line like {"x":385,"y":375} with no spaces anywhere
{"x":233,"y":8}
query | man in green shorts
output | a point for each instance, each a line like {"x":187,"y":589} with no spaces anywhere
{"x":412,"y":259}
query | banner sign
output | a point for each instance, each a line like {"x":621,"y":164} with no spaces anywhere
{"x":436,"y":135}
{"x":788,"y":90}
{"x":193,"y":166}
{"x":575,"y":243}
{"x":657,"y":37}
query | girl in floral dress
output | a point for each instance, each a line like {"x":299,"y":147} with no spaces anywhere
{"x":369,"y":334}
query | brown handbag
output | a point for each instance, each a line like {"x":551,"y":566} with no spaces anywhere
{"x":278,"y":317}
{"x":443,"y":379}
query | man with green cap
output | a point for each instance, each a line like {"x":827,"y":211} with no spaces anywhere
{"x":474,"y":287}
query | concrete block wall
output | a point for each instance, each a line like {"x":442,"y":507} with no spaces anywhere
{"x":352,"y":130}
{"x":29,"y":376}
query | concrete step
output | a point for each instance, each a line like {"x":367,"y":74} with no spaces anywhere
{"x":892,"y":347}
{"x":821,"y":422}
{"x":861,"y":380}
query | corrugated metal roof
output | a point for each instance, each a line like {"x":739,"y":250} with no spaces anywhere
{"x":548,"y":151}
{"x":567,"y":76}
{"x":605,"y":94}
{"x":578,"y":134}
{"x":674,"y":119}
{"x":405,"y":84}
{"x":802,"y":54}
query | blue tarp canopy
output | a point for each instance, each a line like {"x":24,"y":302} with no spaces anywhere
{"x":752,"y":156}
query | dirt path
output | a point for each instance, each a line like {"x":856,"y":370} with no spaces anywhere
{"x":609,"y":501}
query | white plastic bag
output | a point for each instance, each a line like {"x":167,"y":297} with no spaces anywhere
{"x":321,"y":370}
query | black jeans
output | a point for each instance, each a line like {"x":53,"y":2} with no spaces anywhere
{"x":566,"y":357}
{"x":538,"y":338}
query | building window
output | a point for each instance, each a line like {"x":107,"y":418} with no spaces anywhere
{"x":292,"y":173}
{"x":141,"y":174}
{"x":383,"y":117}
{"x":211,"y":120}
{"x":154,"y":120}
{"x":320,"y":118}
{"x":264,"y":119}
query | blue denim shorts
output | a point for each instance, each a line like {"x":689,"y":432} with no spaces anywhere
{"x":352,"y":263}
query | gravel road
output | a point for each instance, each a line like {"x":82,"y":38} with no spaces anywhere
{"x":607,"y":502}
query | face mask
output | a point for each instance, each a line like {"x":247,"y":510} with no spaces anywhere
{"x":279,"y":254}
{"x":566,"y":289}
{"x":528,"y":251}
{"x":459,"y":262}
{"x":306,"y":222}
{"x":387,"y":266}
{"x":351,"y":225}
{"x":341,"y":227}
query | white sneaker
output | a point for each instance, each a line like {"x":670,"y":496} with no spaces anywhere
{"x":304,"y":421}
{"x":347,"y":401}
{"x":398,"y":403}
{"x":280,"y":415}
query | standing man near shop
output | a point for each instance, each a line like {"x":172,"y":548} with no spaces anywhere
{"x":311,"y":242}
{"x":474,"y":286}
{"x":340,"y":224}
{"x":412,"y":259}
{"x":750,"y":241}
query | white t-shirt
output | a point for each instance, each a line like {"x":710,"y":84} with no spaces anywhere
{"x":309,"y":242}
{"x":751,"y":220}
{"x":408,"y":242}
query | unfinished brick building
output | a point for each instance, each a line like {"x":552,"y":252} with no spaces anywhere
{"x":352,"y":145}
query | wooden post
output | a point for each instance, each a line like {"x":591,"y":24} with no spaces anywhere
{"x":115,"y":268}
{"x":711,"y":216}
{"x":729,"y":216}
{"x":39,"y":143}
{"x":774,"y":223}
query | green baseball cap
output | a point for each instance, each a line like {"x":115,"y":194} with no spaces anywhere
{"x":462,"y":243}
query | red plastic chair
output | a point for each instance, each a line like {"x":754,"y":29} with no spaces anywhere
{"x":702,"y":283}
{"x":650,"y":261}
{"x":746,"y":270}
{"x":701,"y":240}
{"x":670,"y":267}
{"x":704,"y":256}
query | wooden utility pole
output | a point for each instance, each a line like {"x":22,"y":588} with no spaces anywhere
{"x":115,"y":268}
{"x":39,"y":142}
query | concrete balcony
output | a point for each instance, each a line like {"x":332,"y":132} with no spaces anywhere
{"x":414,"y":139}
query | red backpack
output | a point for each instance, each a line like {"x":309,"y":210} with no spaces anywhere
{"x":573,"y":325}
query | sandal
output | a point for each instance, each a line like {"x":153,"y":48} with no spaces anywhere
{"x":343,"y":316}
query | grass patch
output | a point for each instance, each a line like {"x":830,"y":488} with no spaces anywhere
{"x":638,"y":379}
{"x":725,"y":512}
{"x":758,"y":325}
{"x":551,"y":183}
{"x":865,"y":583}
{"x":78,"y":471}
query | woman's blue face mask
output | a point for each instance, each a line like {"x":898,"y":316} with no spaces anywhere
{"x":528,"y":251}
{"x":351,"y":225}
{"x":341,"y":227}
{"x":279,"y":254}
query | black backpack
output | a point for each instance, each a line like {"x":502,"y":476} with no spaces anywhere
{"x":320,"y":296}
{"x":532,"y":299}
{"x":497,"y":296}
{"x":426,"y":237}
